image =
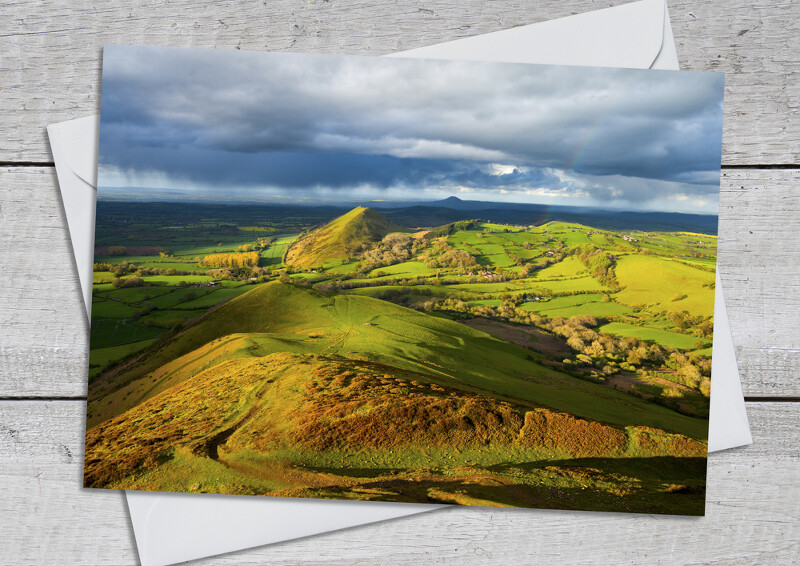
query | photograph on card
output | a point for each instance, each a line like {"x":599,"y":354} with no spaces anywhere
{"x":428,"y":281}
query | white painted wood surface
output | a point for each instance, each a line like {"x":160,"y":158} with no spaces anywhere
{"x":49,"y":71}
{"x":751,"y":518}
{"x":50,"y":51}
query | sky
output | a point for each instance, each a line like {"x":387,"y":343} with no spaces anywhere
{"x":284,"y":127}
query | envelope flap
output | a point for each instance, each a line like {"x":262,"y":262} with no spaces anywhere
{"x":625,"y":36}
{"x":77,"y":142}
{"x":74,"y":146}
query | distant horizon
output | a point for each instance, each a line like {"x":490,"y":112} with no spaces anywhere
{"x":152,"y":195}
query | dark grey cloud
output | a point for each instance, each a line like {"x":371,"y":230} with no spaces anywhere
{"x":297,"y":122}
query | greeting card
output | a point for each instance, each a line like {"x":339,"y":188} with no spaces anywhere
{"x":403,"y":280}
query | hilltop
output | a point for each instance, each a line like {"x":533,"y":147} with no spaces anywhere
{"x":340,"y":238}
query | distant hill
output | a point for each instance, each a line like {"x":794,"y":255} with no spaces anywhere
{"x":449,"y":202}
{"x":340,"y":238}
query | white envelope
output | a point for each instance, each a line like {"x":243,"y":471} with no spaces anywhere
{"x":171,"y":527}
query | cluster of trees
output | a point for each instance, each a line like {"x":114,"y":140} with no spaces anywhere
{"x":451,"y":228}
{"x":454,"y":258}
{"x":541,"y":263}
{"x":232,"y":260}
{"x":117,"y":250}
{"x":443,"y":255}
{"x":600,"y":264}
{"x":257,"y":229}
{"x":701,"y":326}
{"x":119,"y":282}
{"x":392,"y":249}
{"x":630,"y":354}
{"x":120,"y":269}
{"x":261,"y":274}
{"x":261,"y":244}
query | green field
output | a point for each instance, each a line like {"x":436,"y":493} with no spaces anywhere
{"x":169,"y":318}
{"x":655,"y":281}
{"x":115,"y":332}
{"x":569,"y":267}
{"x":135,"y":294}
{"x":371,"y":291}
{"x":214,"y":298}
{"x":103,"y":308}
{"x":673,"y":339}
{"x":408,"y":268}
{"x":100,"y":357}
{"x":578,"y":305}
{"x":179,"y":296}
{"x":175,"y":279}
{"x":102,"y":277}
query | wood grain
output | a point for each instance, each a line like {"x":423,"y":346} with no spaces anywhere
{"x":758,"y":261}
{"x":50,"y":71}
{"x":751,"y":517}
{"x":45,"y":348}
{"x":50,"y":51}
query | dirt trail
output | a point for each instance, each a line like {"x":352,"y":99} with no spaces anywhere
{"x":211,"y":446}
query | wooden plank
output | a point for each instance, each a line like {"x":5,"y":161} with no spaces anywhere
{"x":46,"y":515}
{"x":44,"y":350}
{"x":50,"y":68}
{"x":759,"y":255}
{"x":751,"y":517}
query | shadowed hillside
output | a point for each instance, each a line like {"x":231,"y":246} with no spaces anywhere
{"x":340,"y":238}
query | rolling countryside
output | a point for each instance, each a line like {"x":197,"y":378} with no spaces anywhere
{"x":370,"y":353}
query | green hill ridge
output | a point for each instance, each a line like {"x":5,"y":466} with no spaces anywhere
{"x":340,"y":238}
{"x":284,"y":318}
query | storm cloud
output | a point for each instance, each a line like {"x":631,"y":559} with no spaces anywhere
{"x":295,"y":125}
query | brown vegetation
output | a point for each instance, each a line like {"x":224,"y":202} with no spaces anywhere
{"x":369,"y":408}
{"x":578,"y":437}
{"x":654,"y":441}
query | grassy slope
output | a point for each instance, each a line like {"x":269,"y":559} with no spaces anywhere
{"x":673,"y":339}
{"x":652,"y":280}
{"x":278,"y":317}
{"x":318,"y":426}
{"x":340,"y":238}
